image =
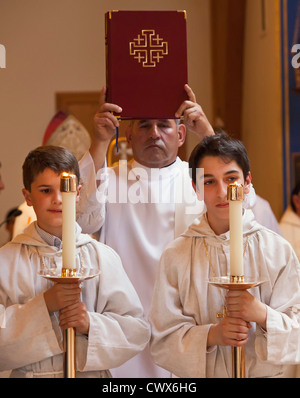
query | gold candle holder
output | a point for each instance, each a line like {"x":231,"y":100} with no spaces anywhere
{"x":68,"y":187}
{"x":69,"y":354}
{"x":238,"y":353}
{"x":236,"y":283}
{"x":238,"y":362}
{"x":69,"y":348}
{"x":235,"y":196}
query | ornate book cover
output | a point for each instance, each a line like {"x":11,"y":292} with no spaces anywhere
{"x":146,"y":62}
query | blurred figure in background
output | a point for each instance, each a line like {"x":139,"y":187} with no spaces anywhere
{"x":10,"y":218}
{"x":290,"y":221}
{"x":264,"y":215}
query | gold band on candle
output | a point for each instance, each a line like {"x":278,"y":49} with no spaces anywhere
{"x":235,"y":192}
{"x":68,"y":272}
{"x":68,"y":183}
{"x":237,"y":279}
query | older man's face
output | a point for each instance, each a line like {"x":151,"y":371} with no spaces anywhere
{"x":155,"y":143}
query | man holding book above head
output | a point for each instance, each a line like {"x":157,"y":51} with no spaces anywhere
{"x":142,"y":205}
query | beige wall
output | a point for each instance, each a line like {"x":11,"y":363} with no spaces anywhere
{"x":262,"y":128}
{"x":58,"y":45}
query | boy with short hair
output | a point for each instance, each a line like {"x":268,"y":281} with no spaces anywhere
{"x":105,"y":311}
{"x":187,"y":338}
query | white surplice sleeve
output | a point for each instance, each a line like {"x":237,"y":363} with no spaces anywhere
{"x":280,"y":344}
{"x":26,"y":333}
{"x":178,"y":343}
{"x":118,"y":330}
{"x":91,"y":207}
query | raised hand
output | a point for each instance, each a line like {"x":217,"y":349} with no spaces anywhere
{"x":193,"y":116}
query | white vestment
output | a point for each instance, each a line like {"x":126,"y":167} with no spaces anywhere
{"x":264,"y":214}
{"x":152,"y":207}
{"x":185,"y":305}
{"x":290,"y":227}
{"x":31,"y":339}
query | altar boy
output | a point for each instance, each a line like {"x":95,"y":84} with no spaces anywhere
{"x":190,"y":336}
{"x":105,"y":311}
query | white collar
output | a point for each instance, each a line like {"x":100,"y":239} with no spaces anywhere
{"x":153,"y":172}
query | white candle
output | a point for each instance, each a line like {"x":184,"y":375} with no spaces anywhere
{"x":68,"y":221}
{"x":236,"y":238}
{"x":236,"y":229}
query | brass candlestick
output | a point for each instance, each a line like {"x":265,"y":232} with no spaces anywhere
{"x":56,"y":275}
{"x":238,"y":353}
{"x":68,"y":188}
{"x":235,"y":196}
{"x":69,"y":354}
{"x":236,"y":283}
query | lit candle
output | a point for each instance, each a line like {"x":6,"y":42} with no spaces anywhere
{"x":68,"y":190}
{"x":235,"y":197}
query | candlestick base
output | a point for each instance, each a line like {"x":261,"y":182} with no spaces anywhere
{"x":57,"y":275}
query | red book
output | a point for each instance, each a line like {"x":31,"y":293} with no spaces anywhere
{"x":146,"y":62}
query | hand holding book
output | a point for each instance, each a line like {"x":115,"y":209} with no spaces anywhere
{"x":105,"y":122}
{"x":193,"y":116}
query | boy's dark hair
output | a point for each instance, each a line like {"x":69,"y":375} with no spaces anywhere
{"x":223,"y":146}
{"x":56,"y":158}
